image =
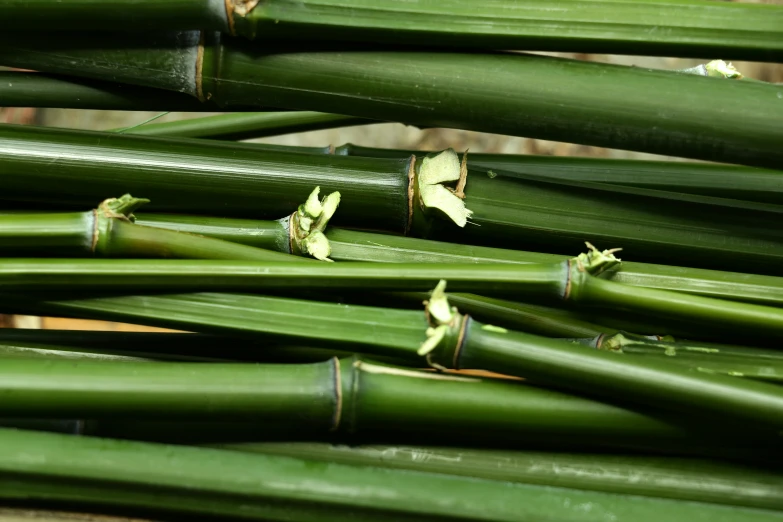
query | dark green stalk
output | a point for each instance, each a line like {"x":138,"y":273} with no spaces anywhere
{"x":625,"y":107}
{"x":532,"y":280}
{"x":737,"y":361}
{"x":353,"y":245}
{"x":156,"y":346}
{"x":398,"y":333}
{"x":663,"y":28}
{"x":183,"y":175}
{"x":94,"y":473}
{"x":246,"y":126}
{"x":570,"y":281}
{"x":470,"y":344}
{"x":26,"y":89}
{"x":117,"y":15}
{"x":348,"y":395}
{"x":682,"y":479}
{"x":109,"y":231}
{"x":721,"y":181}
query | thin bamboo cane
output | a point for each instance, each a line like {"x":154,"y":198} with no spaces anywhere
{"x":683,"y":479}
{"x":570,"y":282}
{"x":169,"y":479}
{"x":349,"y":396}
{"x":465,"y":343}
{"x":722,"y":181}
{"x":246,"y":126}
{"x":218,"y":178}
{"x":658,"y":28}
{"x":353,"y":245}
{"x":28,"y":89}
{"x":737,"y":361}
{"x":108,"y":231}
{"x":157,"y":346}
{"x":398,"y":333}
{"x":629,"y":108}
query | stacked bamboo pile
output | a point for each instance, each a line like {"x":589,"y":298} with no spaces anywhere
{"x":377,"y":334}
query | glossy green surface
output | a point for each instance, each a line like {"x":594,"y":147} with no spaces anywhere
{"x":61,"y":234}
{"x":26,"y":89}
{"x":171,"y":479}
{"x":737,"y":361}
{"x":355,"y":245}
{"x":17,"y":342}
{"x":668,"y":28}
{"x":123,"y":15}
{"x":270,"y":235}
{"x":700,"y":179}
{"x":381,"y":331}
{"x":532,"y":280}
{"x":625,"y":107}
{"x":684,"y":479}
{"x":99,"y":389}
{"x":313,"y":399}
{"x":621,"y":379}
{"x":748,"y":319}
{"x":650,"y":28}
{"x":246,"y":126}
{"x":129,"y":240}
{"x":79,"y":168}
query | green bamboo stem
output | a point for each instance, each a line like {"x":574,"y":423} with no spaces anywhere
{"x":662,"y":112}
{"x":199,"y":177}
{"x":398,"y":333}
{"x":691,"y":479}
{"x":737,"y":361}
{"x":570,"y":282}
{"x":354,"y":245}
{"x":219,"y":178}
{"x":721,"y":181}
{"x":27,"y":89}
{"x":466,"y":343}
{"x":157,"y":346}
{"x":246,"y":126}
{"x":119,"y":15}
{"x":661,"y":28}
{"x":348,"y":396}
{"x":184,"y":480}
{"x":109,"y":231}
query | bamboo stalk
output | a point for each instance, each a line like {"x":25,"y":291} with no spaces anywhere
{"x":246,"y":126}
{"x":682,"y":479}
{"x":663,"y":28}
{"x":109,"y":231}
{"x":354,"y":245}
{"x":737,"y":361}
{"x":398,"y":333}
{"x":348,"y":396}
{"x":157,"y":346}
{"x":219,"y":179}
{"x":721,"y":181}
{"x":570,"y":282}
{"x":460,"y":342}
{"x":171,"y":479}
{"x":30,"y":89}
{"x":663,"y":112}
